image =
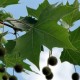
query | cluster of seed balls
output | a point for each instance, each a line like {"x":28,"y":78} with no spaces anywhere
{"x":18,"y":67}
{"x":46,"y":70}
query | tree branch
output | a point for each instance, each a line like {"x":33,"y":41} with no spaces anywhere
{"x":10,"y":26}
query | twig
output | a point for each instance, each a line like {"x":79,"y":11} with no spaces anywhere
{"x":18,"y":29}
{"x":74,"y":68}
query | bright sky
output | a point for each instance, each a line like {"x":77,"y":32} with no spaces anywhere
{"x":59,"y":70}
{"x":62,"y":71}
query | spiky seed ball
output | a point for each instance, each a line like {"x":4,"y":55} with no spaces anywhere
{"x":52,"y":61}
{"x":4,"y":77}
{"x":2,"y":51}
{"x":2,"y":69}
{"x":12,"y":78}
{"x":18,"y":68}
{"x":46,"y":70}
{"x":50,"y":76}
{"x":75,"y":76}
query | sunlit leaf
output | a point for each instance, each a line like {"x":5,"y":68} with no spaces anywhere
{"x":36,"y":12}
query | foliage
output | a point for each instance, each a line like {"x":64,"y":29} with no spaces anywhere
{"x":42,"y":28}
{"x":4,"y":3}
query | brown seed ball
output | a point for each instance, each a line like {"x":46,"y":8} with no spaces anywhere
{"x":46,"y":70}
{"x":18,"y":68}
{"x":12,"y":78}
{"x":75,"y":76}
{"x":2,"y":51}
{"x":4,"y":77}
{"x":2,"y":69}
{"x":52,"y":61}
{"x":50,"y":76}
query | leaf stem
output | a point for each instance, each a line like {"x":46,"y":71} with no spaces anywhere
{"x":74,"y":68}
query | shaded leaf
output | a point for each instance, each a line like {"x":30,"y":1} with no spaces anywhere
{"x":10,"y":45}
{"x":1,"y":74}
{"x":29,"y":46}
{"x":29,"y":20}
{"x":12,"y":59}
{"x":71,"y":55}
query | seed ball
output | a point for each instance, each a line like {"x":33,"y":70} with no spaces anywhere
{"x":52,"y":61}
{"x":50,"y":76}
{"x":2,"y":69}
{"x":18,"y":68}
{"x":4,"y":77}
{"x":12,"y":78}
{"x":46,"y":70}
{"x":75,"y":76}
{"x":2,"y":51}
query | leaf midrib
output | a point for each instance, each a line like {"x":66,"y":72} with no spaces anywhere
{"x":49,"y":34}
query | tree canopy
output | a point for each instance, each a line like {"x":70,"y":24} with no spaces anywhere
{"x":48,"y":25}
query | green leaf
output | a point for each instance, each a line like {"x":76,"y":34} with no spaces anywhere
{"x":64,"y":24}
{"x":1,"y":36}
{"x":3,"y":40}
{"x":4,"y":3}
{"x":4,"y":15}
{"x":1,"y":74}
{"x":76,"y":3}
{"x":45,"y":32}
{"x":67,"y":3}
{"x":10,"y":45}
{"x":11,"y":60}
{"x":29,"y":46}
{"x":71,"y":55}
{"x":29,"y":20}
{"x":36,"y":13}
{"x":72,"y":17}
{"x":4,"y":33}
{"x":53,"y":34}
{"x":55,"y":13}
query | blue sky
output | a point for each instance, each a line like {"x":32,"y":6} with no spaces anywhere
{"x":20,"y":10}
